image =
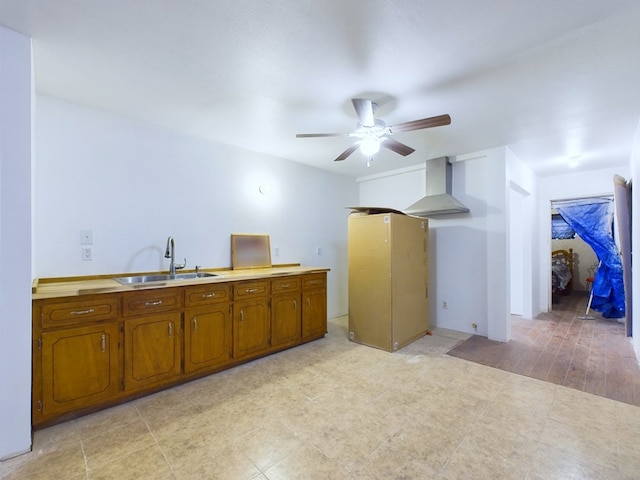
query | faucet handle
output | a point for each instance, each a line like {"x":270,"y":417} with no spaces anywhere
{"x":197,"y":269}
{"x":180,"y":266}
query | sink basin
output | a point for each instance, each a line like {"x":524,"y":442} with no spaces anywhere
{"x":136,"y":280}
{"x":186,"y":276}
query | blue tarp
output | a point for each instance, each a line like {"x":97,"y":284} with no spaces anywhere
{"x":560,"y":229}
{"x":593,"y":222}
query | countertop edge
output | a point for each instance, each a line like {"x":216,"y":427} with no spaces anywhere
{"x":94,"y":286}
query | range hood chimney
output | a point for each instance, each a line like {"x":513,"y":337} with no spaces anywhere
{"x":439,"y":200}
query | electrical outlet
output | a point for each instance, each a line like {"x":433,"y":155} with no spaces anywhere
{"x":86,"y":253}
{"x":351,"y":336}
{"x":444,"y":304}
{"x":276,"y":251}
{"x":318,"y":251}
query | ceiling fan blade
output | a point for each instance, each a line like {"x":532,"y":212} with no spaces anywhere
{"x":437,"y":121}
{"x":312,"y":135}
{"x":364,"y":109}
{"x":347,"y":152}
{"x":397,"y":147}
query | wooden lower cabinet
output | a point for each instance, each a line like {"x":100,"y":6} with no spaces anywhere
{"x":286,"y":320}
{"x":251,"y":327}
{"x":152,"y":350}
{"x":80,"y":366}
{"x":92,"y":351}
{"x":314,"y":305}
{"x":207,"y":337}
{"x":314,"y":314}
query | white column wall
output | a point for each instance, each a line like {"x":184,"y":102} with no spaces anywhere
{"x":522,"y":185}
{"x":15,"y":243}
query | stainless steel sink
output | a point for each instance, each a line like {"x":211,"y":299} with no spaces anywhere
{"x":136,"y":280}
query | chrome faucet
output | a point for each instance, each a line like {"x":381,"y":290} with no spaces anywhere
{"x":170,"y":252}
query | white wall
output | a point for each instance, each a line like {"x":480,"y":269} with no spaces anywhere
{"x":396,"y":189}
{"x":134,"y":184}
{"x":521,"y":187}
{"x":560,"y":187}
{"x":15,"y":243}
{"x":467,"y":252}
{"x":635,"y":239}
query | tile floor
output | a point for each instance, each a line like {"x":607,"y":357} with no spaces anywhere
{"x":333,"y":409}
{"x":594,"y":356}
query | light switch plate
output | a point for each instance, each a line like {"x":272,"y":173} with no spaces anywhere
{"x":86,"y":237}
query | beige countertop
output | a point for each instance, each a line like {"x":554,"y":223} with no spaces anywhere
{"x":44,"y":288}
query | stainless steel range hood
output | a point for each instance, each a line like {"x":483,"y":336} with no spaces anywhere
{"x":439,"y":200}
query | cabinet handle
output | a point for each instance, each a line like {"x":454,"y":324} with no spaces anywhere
{"x":82,"y":312}
{"x":295,"y":304}
{"x":314,"y":282}
{"x":153,"y":304}
{"x":208,"y":295}
{"x":285,"y":285}
{"x":195,"y":324}
{"x":103,"y":342}
{"x":171,"y":329}
{"x":241,"y":315}
{"x":252,"y":290}
{"x":308,"y":302}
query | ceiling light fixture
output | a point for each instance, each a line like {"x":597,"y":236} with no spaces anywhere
{"x":370,"y":145}
{"x":574,"y":161}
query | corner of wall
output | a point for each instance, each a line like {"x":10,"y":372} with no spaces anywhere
{"x":635,"y":239}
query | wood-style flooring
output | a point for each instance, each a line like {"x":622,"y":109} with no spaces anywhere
{"x":593,"y":356}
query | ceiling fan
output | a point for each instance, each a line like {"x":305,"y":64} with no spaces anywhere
{"x":372,"y":133}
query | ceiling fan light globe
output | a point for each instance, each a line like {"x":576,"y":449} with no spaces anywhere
{"x":370,"y":146}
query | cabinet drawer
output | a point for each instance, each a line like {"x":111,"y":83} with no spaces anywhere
{"x":315,"y":280}
{"x":79,"y":311}
{"x":288,"y":284}
{"x":250,"y":289}
{"x":206,"y":294}
{"x":150,"y":301}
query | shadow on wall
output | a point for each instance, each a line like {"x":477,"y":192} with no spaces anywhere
{"x":146,"y":256}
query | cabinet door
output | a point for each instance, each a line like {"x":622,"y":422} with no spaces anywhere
{"x":314,"y":314}
{"x":152,"y":350}
{"x":286,"y":324}
{"x":79,"y":367}
{"x":251,"y":327}
{"x":207,"y":337}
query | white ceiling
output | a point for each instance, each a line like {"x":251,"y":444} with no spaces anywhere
{"x":552,"y":79}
